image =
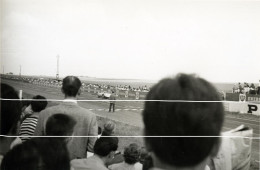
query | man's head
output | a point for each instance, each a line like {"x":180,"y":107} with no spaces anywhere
{"x":71,"y":86}
{"x":178,"y":118}
{"x":109,"y":128}
{"x":40,"y":105}
{"x":60,"y":125}
{"x":10,"y":109}
{"x":105,"y":147}
{"x":132,"y":153}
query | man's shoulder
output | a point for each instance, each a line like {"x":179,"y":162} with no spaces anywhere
{"x":83,"y":111}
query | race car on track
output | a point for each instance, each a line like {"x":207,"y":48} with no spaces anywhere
{"x":104,"y":94}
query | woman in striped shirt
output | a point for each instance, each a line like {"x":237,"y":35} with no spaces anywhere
{"x":28,"y":126}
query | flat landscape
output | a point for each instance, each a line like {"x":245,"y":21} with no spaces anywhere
{"x":128,"y":114}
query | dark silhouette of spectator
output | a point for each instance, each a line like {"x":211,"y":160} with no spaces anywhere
{"x":104,"y":151}
{"x":30,"y":120}
{"x":10,"y":115}
{"x":187,"y":119}
{"x":252,"y":89}
{"x":112,"y":101}
{"x":240,"y":88}
{"x":86,"y":120}
{"x":60,"y":125}
{"x":37,"y":153}
{"x":258,"y":88}
{"x":131,"y":155}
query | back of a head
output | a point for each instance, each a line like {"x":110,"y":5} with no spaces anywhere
{"x":105,"y":145}
{"x":39,"y":105}
{"x":37,"y":153}
{"x":71,"y":86}
{"x":109,"y":128}
{"x":10,"y":109}
{"x":177,"y":118}
{"x":132,"y":153}
{"x":60,"y":125}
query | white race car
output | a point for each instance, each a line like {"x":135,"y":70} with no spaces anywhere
{"x":104,"y":94}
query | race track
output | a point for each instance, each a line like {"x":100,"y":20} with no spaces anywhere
{"x":129,"y":112}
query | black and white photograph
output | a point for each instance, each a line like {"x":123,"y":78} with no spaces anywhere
{"x":130,"y":85}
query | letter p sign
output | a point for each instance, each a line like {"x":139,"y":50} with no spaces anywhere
{"x":252,"y":108}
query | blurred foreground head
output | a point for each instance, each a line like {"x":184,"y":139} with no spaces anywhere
{"x":37,"y":153}
{"x":71,"y":86}
{"x":10,"y":110}
{"x":60,"y":125}
{"x":177,"y":118}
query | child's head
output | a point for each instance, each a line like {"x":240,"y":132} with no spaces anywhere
{"x":38,"y":103}
{"x":60,"y":125}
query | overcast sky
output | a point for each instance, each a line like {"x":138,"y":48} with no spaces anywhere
{"x":218,"y":40}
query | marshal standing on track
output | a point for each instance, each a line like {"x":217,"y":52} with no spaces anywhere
{"x":112,"y":101}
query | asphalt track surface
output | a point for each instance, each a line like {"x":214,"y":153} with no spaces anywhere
{"x":129,"y":112}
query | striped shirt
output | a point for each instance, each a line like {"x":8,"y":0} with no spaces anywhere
{"x":28,"y":126}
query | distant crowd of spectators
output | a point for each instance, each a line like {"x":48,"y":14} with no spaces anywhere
{"x":67,"y":136}
{"x":246,"y":88}
{"x":54,"y":82}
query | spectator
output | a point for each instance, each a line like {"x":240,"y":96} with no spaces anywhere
{"x":10,"y":115}
{"x":26,"y":108}
{"x":104,"y":151}
{"x":241,"y":89}
{"x":37,"y":153}
{"x":86,"y":120}
{"x":131,"y":155}
{"x":109,"y":128}
{"x":143,"y":155}
{"x":258,"y":88}
{"x":60,"y":125}
{"x":30,"y":120}
{"x":148,"y":162}
{"x":235,"y":89}
{"x":112,"y":101}
{"x":252,"y":89}
{"x":167,"y":118}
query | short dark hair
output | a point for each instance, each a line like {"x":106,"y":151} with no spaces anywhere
{"x":60,"y":125}
{"x":105,"y":145}
{"x":169,"y":118}
{"x":10,"y":109}
{"x":132,"y":153}
{"x":37,"y":153}
{"x":71,"y":85}
{"x":38,"y":106}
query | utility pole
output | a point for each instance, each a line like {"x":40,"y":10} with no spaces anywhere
{"x":57,"y":74}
